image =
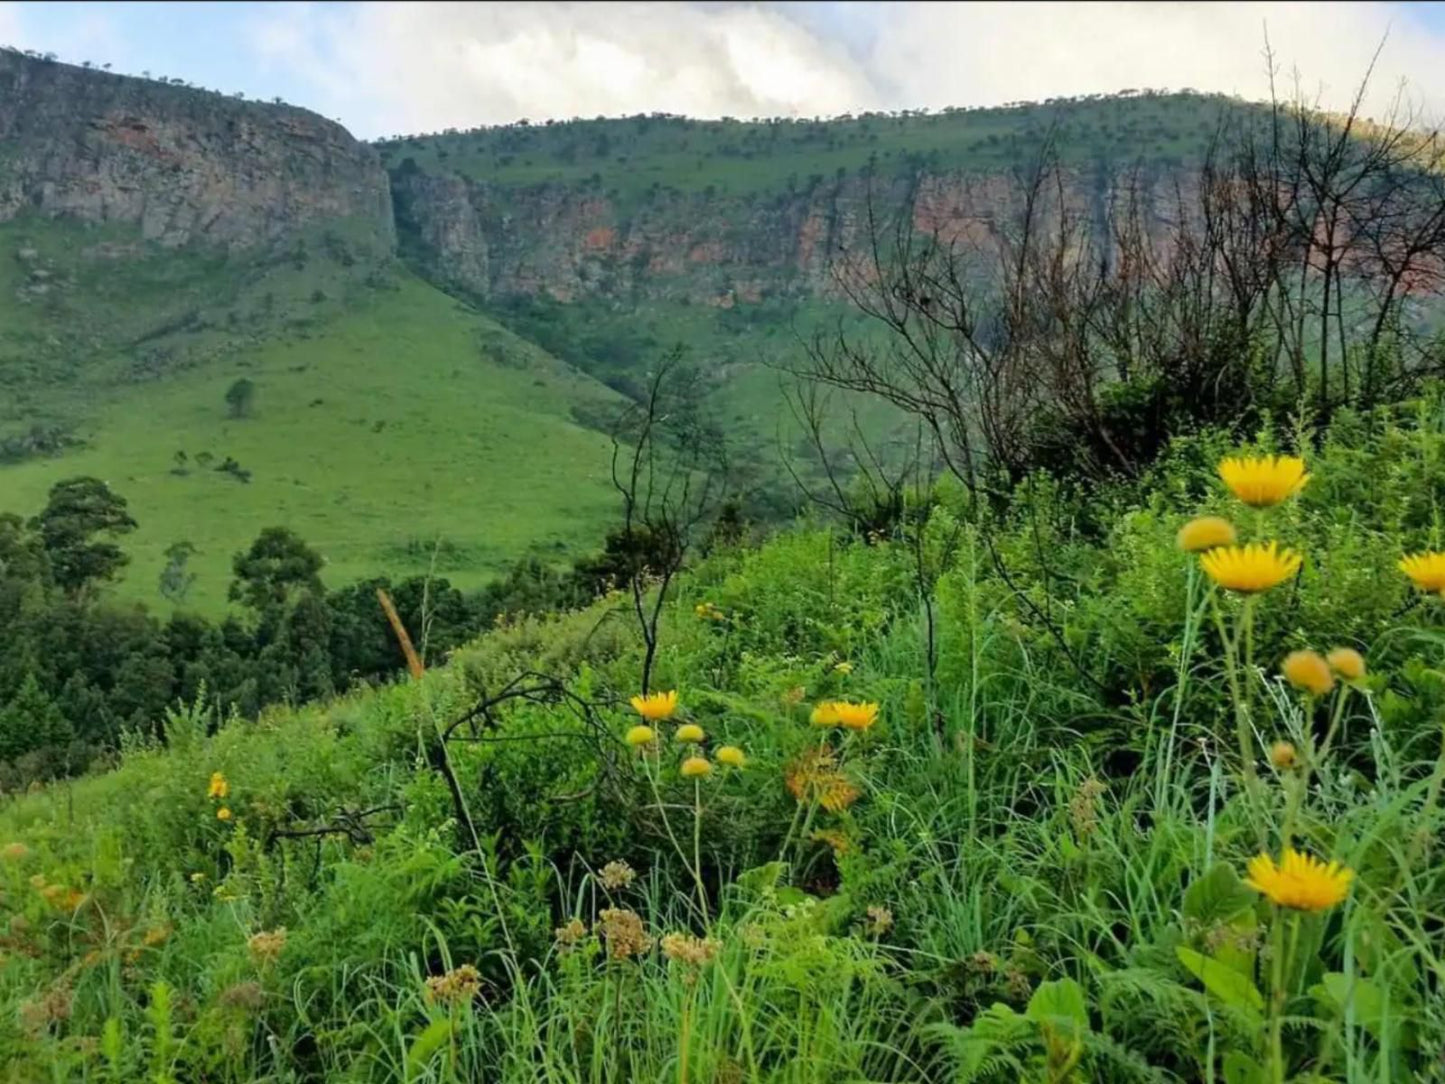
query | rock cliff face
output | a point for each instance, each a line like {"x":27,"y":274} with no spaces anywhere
{"x":182,"y":165}
{"x":571,"y":241}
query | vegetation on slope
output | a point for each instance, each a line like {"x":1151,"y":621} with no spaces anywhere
{"x":1028,"y":867}
{"x":376,"y":427}
{"x":630,"y":157}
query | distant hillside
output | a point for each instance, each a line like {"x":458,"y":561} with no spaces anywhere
{"x":731,"y":212}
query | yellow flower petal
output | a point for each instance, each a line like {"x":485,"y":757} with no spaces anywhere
{"x":1252,"y":568}
{"x":1262,"y":481}
{"x":654,"y":707}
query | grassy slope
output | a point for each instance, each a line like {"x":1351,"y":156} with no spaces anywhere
{"x":628,"y":156}
{"x":403,"y":422}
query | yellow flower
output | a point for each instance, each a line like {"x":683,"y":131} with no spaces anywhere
{"x":844,"y":667}
{"x":223,"y":814}
{"x":1347,"y":662}
{"x":1205,"y":533}
{"x":1300,"y":881}
{"x":197,"y":877}
{"x":732,"y":756}
{"x":219,"y":787}
{"x":1262,"y":481}
{"x":689,"y":733}
{"x":825,"y":714}
{"x":1283,"y":755}
{"x":855,"y":716}
{"x":640,"y":735}
{"x":654,"y":707}
{"x":696,"y":767}
{"x":1308,"y":670}
{"x":1251,"y":568}
{"x":1426,"y":569}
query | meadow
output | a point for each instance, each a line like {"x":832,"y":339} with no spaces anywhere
{"x":1008,"y":794}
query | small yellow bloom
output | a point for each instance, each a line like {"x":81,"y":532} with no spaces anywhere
{"x":197,"y":877}
{"x":855,"y":716}
{"x":696,"y":767}
{"x":825,"y":714}
{"x":223,"y":814}
{"x":1252,"y":568}
{"x":654,"y":707}
{"x":1347,"y":662}
{"x":1262,"y":481}
{"x":640,"y":735}
{"x":844,"y":667}
{"x":1308,"y":670}
{"x":219,"y":788}
{"x":1427,"y":570}
{"x":689,"y":733}
{"x":1283,"y":755}
{"x":1205,"y":533}
{"x":1300,"y":881}
{"x":732,"y":756}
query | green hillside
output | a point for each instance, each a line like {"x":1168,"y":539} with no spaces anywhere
{"x":392,"y":426}
{"x":631,"y":156}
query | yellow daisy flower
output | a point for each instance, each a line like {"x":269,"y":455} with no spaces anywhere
{"x":1347,"y":662}
{"x":1427,"y":570}
{"x":855,"y":716}
{"x":696,"y":767}
{"x":223,"y":814}
{"x":1262,"y":481}
{"x":654,"y":707}
{"x":1308,"y":670}
{"x":219,"y":788}
{"x":640,"y":735}
{"x":1205,"y":533}
{"x":1300,"y":881}
{"x":689,"y":733}
{"x":1252,"y":568}
{"x":732,"y":756}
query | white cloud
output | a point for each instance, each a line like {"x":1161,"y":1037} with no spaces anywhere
{"x":407,"y":66}
{"x":397,"y":67}
{"x":972,"y":53}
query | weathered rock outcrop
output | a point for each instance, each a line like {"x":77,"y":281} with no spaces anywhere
{"x":183,"y":165}
{"x":572,"y":241}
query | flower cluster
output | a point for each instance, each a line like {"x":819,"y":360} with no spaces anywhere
{"x":218,"y":791}
{"x":706,"y":611}
{"x":617,"y":875}
{"x":693,"y":952}
{"x":457,"y":987}
{"x":1260,"y":482}
{"x":623,"y":932}
{"x":658,"y":707}
{"x":266,"y":947}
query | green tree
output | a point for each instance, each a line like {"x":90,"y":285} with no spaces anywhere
{"x":31,"y":721}
{"x":277,"y":567}
{"x":176,"y":579}
{"x":240,"y":398}
{"x":79,"y":510}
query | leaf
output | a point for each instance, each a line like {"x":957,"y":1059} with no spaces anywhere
{"x":432,"y":1039}
{"x":1060,"y":1003}
{"x":1242,"y":1069}
{"x":1337,"y":991}
{"x":761,"y":880}
{"x":1217,"y":898}
{"x":1221,"y":980}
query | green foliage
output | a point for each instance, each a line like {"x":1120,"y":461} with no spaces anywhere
{"x":1038,"y":878}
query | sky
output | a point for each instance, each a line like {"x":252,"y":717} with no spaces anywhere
{"x":385,"y":68}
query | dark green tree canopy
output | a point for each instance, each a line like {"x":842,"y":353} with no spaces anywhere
{"x":79,"y":510}
{"x":278,"y":566}
{"x":240,"y":397}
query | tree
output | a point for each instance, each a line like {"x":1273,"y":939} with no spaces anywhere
{"x":78,"y":510}
{"x":240,"y":398}
{"x":31,"y":721}
{"x":176,"y":580}
{"x":277,"y":567}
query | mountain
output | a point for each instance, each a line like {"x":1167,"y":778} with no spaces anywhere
{"x":439,"y":327}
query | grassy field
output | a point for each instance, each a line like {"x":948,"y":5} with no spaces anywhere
{"x":1032,"y":847}
{"x":393,"y":429}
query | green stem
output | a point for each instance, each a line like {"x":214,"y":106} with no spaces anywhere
{"x":697,"y":847}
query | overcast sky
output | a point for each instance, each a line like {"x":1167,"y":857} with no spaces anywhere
{"x":384,"y":68}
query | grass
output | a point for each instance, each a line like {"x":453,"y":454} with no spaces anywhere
{"x":1035,"y":880}
{"x":379,"y":434}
